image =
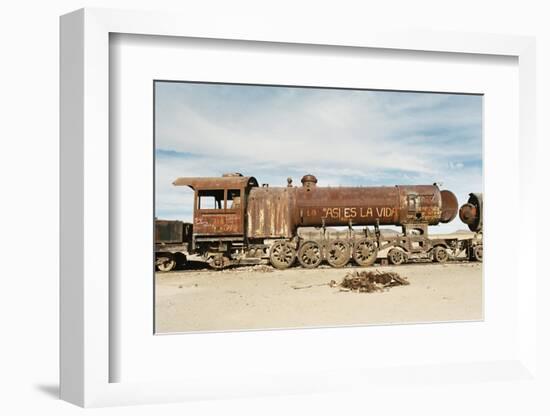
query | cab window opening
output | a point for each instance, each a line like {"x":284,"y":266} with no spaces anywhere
{"x":233,"y":198}
{"x":210,"y":199}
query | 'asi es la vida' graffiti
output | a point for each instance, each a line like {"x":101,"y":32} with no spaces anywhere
{"x":353,"y":212}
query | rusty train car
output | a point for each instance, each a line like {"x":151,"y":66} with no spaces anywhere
{"x":236,"y":221}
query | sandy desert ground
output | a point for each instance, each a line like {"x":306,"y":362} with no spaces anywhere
{"x":242,"y":298}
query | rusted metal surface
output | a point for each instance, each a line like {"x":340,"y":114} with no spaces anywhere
{"x":171,"y":231}
{"x":277,"y":212}
{"x":237,"y":222}
{"x":224,"y":182}
{"x":471,"y":213}
{"x":227,"y":197}
{"x":172,"y":238}
{"x":210,"y":222}
{"x":309,"y":181}
{"x":269,"y":212}
{"x":449,"y":206}
{"x":385,"y":205}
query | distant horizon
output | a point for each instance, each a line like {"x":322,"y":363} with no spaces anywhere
{"x":344,"y":137}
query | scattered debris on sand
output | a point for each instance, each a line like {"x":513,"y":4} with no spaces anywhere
{"x":367,"y":281}
{"x":364,"y":282}
{"x":262,"y":268}
{"x":308,"y":286}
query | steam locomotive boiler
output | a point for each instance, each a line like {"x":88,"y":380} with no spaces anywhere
{"x":236,"y":221}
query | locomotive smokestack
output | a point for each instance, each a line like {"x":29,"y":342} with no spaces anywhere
{"x":309,"y":181}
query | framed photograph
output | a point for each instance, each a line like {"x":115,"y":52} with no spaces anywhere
{"x":236,"y":253}
{"x":269,"y":212}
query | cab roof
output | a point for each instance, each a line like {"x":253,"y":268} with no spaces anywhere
{"x":225,"y":182}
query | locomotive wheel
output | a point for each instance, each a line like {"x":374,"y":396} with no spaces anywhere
{"x":338,"y":253}
{"x":166,"y":263}
{"x":478,"y":252}
{"x":397,"y":257}
{"x":282,"y":254}
{"x":440,"y":255}
{"x":218,"y":262}
{"x":310,"y":255}
{"x":364,"y":252}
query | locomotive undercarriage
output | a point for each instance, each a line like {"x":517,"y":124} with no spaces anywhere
{"x":337,"y":248}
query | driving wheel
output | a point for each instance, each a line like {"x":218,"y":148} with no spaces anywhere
{"x":165,"y":263}
{"x":440,"y":254}
{"x":365,"y":252}
{"x":282,"y":254}
{"x":397,"y":257}
{"x":338,"y":253}
{"x":310,"y":254}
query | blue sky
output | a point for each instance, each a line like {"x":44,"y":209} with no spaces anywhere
{"x":344,"y":137}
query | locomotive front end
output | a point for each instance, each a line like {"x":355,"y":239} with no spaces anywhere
{"x":471,"y":213}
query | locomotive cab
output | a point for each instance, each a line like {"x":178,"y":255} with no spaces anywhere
{"x":219,"y":206}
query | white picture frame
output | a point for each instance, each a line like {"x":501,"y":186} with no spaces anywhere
{"x":86,"y":355}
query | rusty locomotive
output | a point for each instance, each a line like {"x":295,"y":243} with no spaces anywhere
{"x":236,"y":221}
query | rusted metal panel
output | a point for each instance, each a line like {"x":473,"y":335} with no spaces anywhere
{"x":340,"y":205}
{"x":171,"y":231}
{"x":421,"y":204}
{"x":449,"y":206}
{"x":218,"y":222}
{"x":385,"y":205}
{"x":227,"y":219}
{"x":269,"y":212}
{"x":277,"y":212}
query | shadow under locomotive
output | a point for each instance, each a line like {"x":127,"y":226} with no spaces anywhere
{"x":237,"y":222}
